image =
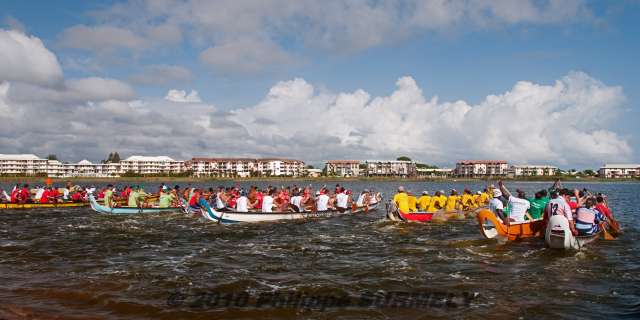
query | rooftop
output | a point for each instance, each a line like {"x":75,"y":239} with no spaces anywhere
{"x":482,"y":162}
{"x":344,"y":161}
{"x":620,"y":166}
{"x":20,"y":157}
{"x":148,"y":159}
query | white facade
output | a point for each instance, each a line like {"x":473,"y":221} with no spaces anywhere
{"x":343,"y":168}
{"x":533,"y":170}
{"x":390,"y":168}
{"x":22,"y":164}
{"x":152,"y":165}
{"x":245,"y":167}
{"x":619,"y":171}
{"x":474,"y":168}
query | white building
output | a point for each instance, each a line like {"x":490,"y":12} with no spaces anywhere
{"x":619,"y":171}
{"x":22,"y":164}
{"x":277,"y":167}
{"x":533,"y":170}
{"x":475,"y":168}
{"x":390,"y":168}
{"x":313,"y":173}
{"x":222,"y":167}
{"x":152,"y":165}
{"x":245,"y":167}
{"x":343,"y":168}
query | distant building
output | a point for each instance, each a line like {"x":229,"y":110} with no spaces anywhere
{"x":619,"y":171}
{"x":22,"y":164}
{"x":390,"y":168}
{"x":151,"y":165}
{"x":245,"y":167}
{"x":479,"y":168}
{"x":313,"y":173}
{"x":533,"y":170}
{"x":434,"y":173}
{"x":343,"y":168}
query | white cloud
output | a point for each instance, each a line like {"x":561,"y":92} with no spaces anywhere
{"x":562,"y":123}
{"x":249,"y":36}
{"x":25,"y":58}
{"x":182,"y":96}
{"x":161,"y":75}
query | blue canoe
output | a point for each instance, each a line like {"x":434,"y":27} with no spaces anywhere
{"x":129,"y":210}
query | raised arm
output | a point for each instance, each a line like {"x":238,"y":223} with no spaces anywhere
{"x":504,"y":189}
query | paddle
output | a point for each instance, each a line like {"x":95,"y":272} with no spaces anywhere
{"x":607,"y":235}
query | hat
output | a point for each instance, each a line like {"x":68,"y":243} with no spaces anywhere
{"x":365,"y":190}
{"x":425,"y":192}
{"x":496,"y":193}
{"x":400,"y":189}
{"x":478,"y":192}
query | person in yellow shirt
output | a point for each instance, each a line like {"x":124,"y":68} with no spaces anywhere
{"x":466,"y":201}
{"x":452,"y":201}
{"x":443,"y":199}
{"x":401,"y":199}
{"x":424,"y":201}
{"x":413,"y":202}
{"x":436,"y":203}
{"x":484,"y":198}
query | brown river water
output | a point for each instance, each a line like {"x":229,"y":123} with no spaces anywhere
{"x":76,"y":264}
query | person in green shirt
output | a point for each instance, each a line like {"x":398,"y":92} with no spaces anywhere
{"x":538,"y":204}
{"x":166,"y":198}
{"x":108,"y":197}
{"x":133,"y":197}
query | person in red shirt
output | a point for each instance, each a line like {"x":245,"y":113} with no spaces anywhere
{"x":45,"y":196}
{"x":15,"y":194}
{"x":25,"y":194}
{"x":602,"y":207}
{"x":193,"y":202}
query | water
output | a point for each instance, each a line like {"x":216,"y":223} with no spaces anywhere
{"x":74,"y":263}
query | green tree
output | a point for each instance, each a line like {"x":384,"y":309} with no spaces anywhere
{"x":310,"y":166}
{"x":116,"y":157}
{"x":52,"y":157}
{"x":403,"y":158}
{"x":589,"y":172}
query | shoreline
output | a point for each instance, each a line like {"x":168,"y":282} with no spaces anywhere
{"x":32,"y":179}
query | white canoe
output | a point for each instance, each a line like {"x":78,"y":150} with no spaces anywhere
{"x":229,"y":217}
{"x":558,"y":235}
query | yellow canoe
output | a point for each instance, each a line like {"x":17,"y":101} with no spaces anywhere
{"x":42,"y":205}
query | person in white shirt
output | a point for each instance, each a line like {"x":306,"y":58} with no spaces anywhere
{"x":342,"y":200}
{"x":39,"y":193}
{"x":296,"y":202}
{"x":559,"y":206}
{"x":322,"y":201}
{"x":242,"y":203}
{"x":519,"y":205}
{"x":496,"y":206}
{"x":267,"y":202}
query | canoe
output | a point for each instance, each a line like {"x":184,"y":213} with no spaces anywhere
{"x":42,"y":205}
{"x":394,"y":214}
{"x":492,"y":226}
{"x":558,"y":235}
{"x":229,"y":217}
{"x":129,"y":210}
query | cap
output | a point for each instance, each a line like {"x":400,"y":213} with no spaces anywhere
{"x":496,"y":193}
{"x":425,"y":192}
{"x":400,"y":188}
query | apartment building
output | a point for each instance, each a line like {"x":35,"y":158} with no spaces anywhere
{"x":22,"y":164}
{"x":343,"y":168}
{"x":479,"y":168}
{"x":619,"y":171}
{"x":390,"y":168}
{"x":533,"y":170}
{"x":245,"y":167}
{"x":152,"y":165}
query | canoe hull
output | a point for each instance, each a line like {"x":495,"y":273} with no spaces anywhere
{"x":558,"y":235}
{"x":42,"y":205}
{"x":491,"y":227}
{"x":396,"y":215}
{"x":250,"y":217}
{"x":129,"y":210}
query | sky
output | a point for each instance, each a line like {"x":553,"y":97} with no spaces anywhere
{"x":531,"y":82}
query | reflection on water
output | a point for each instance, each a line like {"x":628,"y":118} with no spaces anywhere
{"x":66,"y":263}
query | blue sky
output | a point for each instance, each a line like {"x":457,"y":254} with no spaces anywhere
{"x":466,"y":53}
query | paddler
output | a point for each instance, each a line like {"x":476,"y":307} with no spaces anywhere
{"x":467,"y":200}
{"x":401,"y":199}
{"x":452,"y":201}
{"x":424,"y":201}
{"x":413,"y":201}
{"x":108,"y":196}
{"x":134,"y":196}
